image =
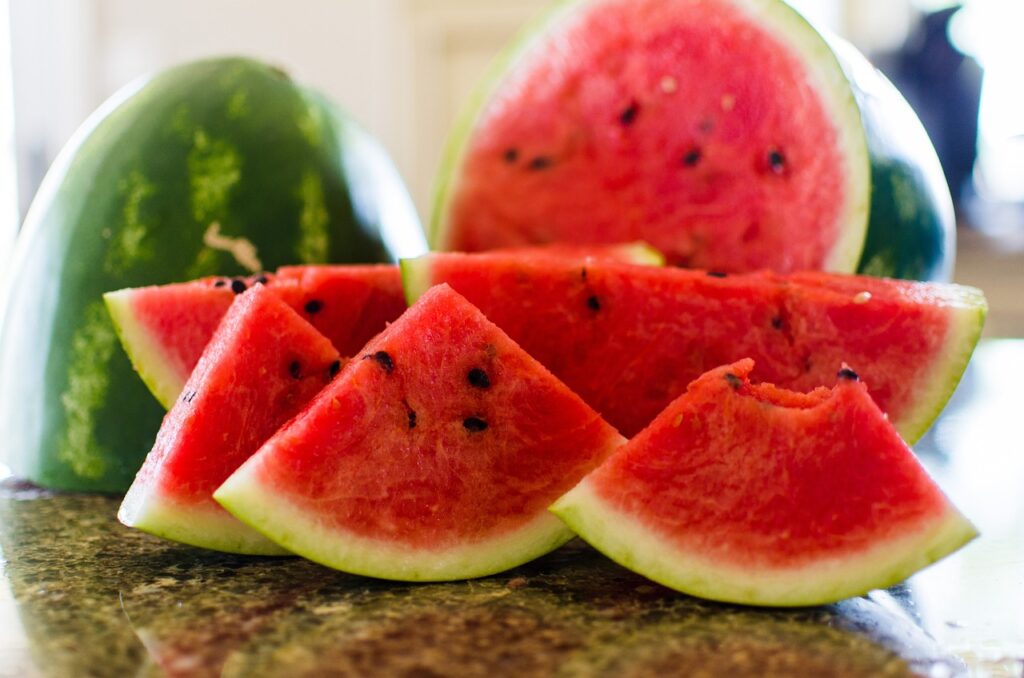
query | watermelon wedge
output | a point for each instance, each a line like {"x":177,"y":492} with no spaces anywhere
{"x":433,"y":456}
{"x":629,"y":339}
{"x":262,"y":366}
{"x":730,"y":134}
{"x":165,"y":328}
{"x":753,"y":494}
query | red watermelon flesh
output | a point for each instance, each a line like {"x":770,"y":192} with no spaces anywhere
{"x":723,"y":133}
{"x":262,"y":366}
{"x":629,"y":339}
{"x":754,"y":494}
{"x":165,"y":328}
{"x":433,"y":456}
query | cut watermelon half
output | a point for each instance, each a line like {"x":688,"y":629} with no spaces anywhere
{"x":727,"y":133}
{"x":752,"y":494}
{"x":629,"y":339}
{"x":433,"y":456}
{"x":165,"y":328}
{"x":262,"y":367}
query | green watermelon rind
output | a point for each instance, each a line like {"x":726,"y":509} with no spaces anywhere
{"x":781,"y":21}
{"x":968,"y":312}
{"x":201,"y":525}
{"x":143,"y":352}
{"x":630,"y":543}
{"x":269,"y":512}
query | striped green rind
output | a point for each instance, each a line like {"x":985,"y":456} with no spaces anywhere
{"x":417,"y":277}
{"x":967,"y":311}
{"x":144,"y":353}
{"x":227,"y":143}
{"x":257,"y":504}
{"x":202,"y":525}
{"x":628,"y":541}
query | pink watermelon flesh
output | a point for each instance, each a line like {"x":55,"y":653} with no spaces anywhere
{"x":629,"y":339}
{"x":262,"y":367}
{"x":685,"y":124}
{"x":433,"y":456}
{"x":754,"y":494}
{"x":165,"y":328}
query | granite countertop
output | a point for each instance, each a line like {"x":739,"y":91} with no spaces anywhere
{"x":82,"y":595}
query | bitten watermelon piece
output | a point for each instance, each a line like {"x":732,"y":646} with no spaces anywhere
{"x":629,"y":339}
{"x":433,"y":456}
{"x":753,"y":494}
{"x":164,"y":328}
{"x":262,"y":366}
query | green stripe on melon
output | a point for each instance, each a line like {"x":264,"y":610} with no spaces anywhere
{"x":895,"y":217}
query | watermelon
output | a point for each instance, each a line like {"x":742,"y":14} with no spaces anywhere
{"x":164,"y":328}
{"x":628,"y":339}
{"x":263,"y":365}
{"x":729,"y":134}
{"x":223,"y":166}
{"x":754,"y":494}
{"x":433,"y":456}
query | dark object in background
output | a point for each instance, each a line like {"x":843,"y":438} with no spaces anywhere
{"x":944,"y":87}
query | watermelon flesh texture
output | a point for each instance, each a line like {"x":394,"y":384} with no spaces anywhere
{"x":165,"y":328}
{"x":262,"y":366}
{"x":433,"y":456}
{"x":629,"y":339}
{"x":753,"y":494}
{"x":659,"y":127}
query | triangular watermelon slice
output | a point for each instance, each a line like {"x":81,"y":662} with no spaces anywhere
{"x":433,"y":456}
{"x":261,"y":368}
{"x":629,"y":339}
{"x":753,"y":494}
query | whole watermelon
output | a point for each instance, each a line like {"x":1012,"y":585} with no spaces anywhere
{"x":220,"y":166}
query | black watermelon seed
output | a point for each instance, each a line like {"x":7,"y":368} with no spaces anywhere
{"x":334,"y":368}
{"x":541,"y":162}
{"x":238,"y":286}
{"x":383,"y":358}
{"x":692,"y":157}
{"x":295,"y":369}
{"x":583,"y":274}
{"x":628,"y":116}
{"x":717,"y":274}
{"x":313,"y":306}
{"x":412,"y":418}
{"x":847,"y":373}
{"x":263,"y":280}
{"x":776,"y":161}
{"x":220,"y":283}
{"x":511,"y":155}
{"x":777,"y":322}
{"x":478,"y":378}
{"x":733,"y":380}
{"x":593,"y":303}
{"x":474,"y":424}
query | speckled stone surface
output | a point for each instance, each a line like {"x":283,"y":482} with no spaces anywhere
{"x":82,"y":595}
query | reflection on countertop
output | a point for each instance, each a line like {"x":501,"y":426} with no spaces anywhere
{"x":82,"y":595}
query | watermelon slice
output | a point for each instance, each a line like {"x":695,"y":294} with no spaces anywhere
{"x":434,"y":456}
{"x":753,"y":494}
{"x":165,"y":328}
{"x":629,"y":339}
{"x":727,"y":133}
{"x":262,"y":366}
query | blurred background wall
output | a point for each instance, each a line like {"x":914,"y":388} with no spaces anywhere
{"x":404,"y":67}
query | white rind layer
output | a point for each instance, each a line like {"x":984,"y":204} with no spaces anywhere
{"x":268,"y":511}
{"x":144,"y":353}
{"x":200,"y":525}
{"x":629,"y":542}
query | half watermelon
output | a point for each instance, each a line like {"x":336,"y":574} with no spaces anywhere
{"x":629,"y":339}
{"x":165,"y":328}
{"x":262,"y":366}
{"x":754,"y":494}
{"x":433,"y":456}
{"x":730,"y":134}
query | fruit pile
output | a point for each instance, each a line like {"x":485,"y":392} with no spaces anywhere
{"x":464,"y":411}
